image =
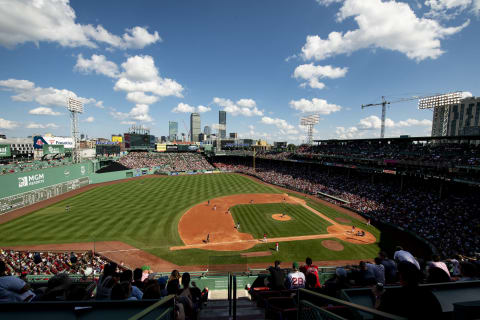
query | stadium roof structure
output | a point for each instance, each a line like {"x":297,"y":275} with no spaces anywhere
{"x":402,"y":139}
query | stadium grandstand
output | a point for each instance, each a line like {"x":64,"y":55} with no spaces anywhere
{"x":426,"y":188}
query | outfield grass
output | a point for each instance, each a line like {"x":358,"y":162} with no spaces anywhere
{"x":256,"y":219}
{"x":145,"y":213}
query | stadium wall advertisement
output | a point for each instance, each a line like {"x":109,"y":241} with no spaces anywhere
{"x":5,"y":150}
{"x":39,"y":141}
{"x":53,"y":149}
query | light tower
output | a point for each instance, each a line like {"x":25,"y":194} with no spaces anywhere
{"x":75,"y":107}
{"x":309,"y":122}
{"x":438,"y":102}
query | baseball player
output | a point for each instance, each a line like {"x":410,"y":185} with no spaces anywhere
{"x":265,"y":237}
{"x":208,"y":238}
{"x":238,"y":226}
{"x":353,"y":229}
{"x":368,"y":222}
{"x":208,"y":202}
{"x":214,"y":207}
{"x":67,"y":208}
{"x":276,"y":247}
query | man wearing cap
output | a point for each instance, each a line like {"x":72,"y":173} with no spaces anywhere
{"x":295,"y":279}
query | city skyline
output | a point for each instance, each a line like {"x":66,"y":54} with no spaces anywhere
{"x":267,"y":64}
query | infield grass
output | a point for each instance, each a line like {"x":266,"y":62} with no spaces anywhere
{"x":145,"y":213}
{"x":256,"y":219}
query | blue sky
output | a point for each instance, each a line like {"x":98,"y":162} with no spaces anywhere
{"x":267,"y":63}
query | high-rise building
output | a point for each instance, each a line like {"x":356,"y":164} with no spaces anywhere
{"x":233,"y":135}
{"x":195,"y":127}
{"x":222,"y":121}
{"x":463,"y":119}
{"x":207,"y":130}
{"x":172,"y":130}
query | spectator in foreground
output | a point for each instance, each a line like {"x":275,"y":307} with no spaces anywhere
{"x":126,"y":276}
{"x":13,"y":289}
{"x":295,"y":279}
{"x":411,"y":300}
{"x":106,"y":282}
{"x":439,"y":264}
{"x":401,"y":255}
{"x":336,"y":283}
{"x":137,"y":279}
{"x":276,"y":279}
{"x":308,"y":268}
{"x":390,"y":267}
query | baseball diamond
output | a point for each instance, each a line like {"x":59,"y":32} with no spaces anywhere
{"x":155,"y":216}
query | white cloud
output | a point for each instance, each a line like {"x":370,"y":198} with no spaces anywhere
{"x":279,"y":123}
{"x":25,"y":91}
{"x":183,"y":108}
{"x":99,"y":104}
{"x":203,"y":109}
{"x":44,"y":111}
{"x":141,"y":75}
{"x":7,"y":124}
{"x":387,"y":25}
{"x":313,"y":73}
{"x":346,"y":133}
{"x":128,"y":122}
{"x":315,"y":105}
{"x":244,"y":107}
{"x":142,"y":98}
{"x":98,"y":64}
{"x":139,"y":112}
{"x":447,"y":9}
{"x":36,"y":21}
{"x":34,"y":125}
{"x":89,"y":119}
{"x":186,"y":108}
{"x":374,"y":122}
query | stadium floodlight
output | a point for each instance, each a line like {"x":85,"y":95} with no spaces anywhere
{"x":74,"y":105}
{"x":441,"y":101}
{"x":309,"y":122}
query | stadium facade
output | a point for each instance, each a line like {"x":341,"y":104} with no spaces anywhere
{"x":463,"y":119}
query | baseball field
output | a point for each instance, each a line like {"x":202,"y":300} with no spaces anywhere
{"x":197,"y":220}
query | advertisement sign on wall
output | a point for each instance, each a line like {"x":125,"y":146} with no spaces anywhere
{"x":39,"y":141}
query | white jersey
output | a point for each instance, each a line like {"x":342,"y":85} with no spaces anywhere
{"x":295,"y":280}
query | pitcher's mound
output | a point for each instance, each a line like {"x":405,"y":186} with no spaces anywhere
{"x":281,"y":217}
{"x":332,"y":245}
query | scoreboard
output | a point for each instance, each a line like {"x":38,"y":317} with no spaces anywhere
{"x":139,"y":141}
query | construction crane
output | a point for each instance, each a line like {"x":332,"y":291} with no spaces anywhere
{"x":384,"y":109}
{"x":186,"y":129}
{"x":426,"y":102}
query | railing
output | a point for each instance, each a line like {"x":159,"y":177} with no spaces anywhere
{"x":232,"y":296}
{"x":335,"y":309}
{"x":164,"y":309}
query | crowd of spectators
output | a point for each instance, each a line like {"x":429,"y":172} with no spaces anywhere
{"x":450,"y":223}
{"x":24,"y":166}
{"x":113,"y":283}
{"x":404,"y":270}
{"x":445,"y":154}
{"x":23,"y":263}
{"x":166,"y":161}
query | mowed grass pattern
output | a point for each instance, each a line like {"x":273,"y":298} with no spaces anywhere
{"x":143,"y":213}
{"x":256,"y":219}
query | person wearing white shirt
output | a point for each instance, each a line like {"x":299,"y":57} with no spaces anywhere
{"x":402,"y":255}
{"x":295,"y":279}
